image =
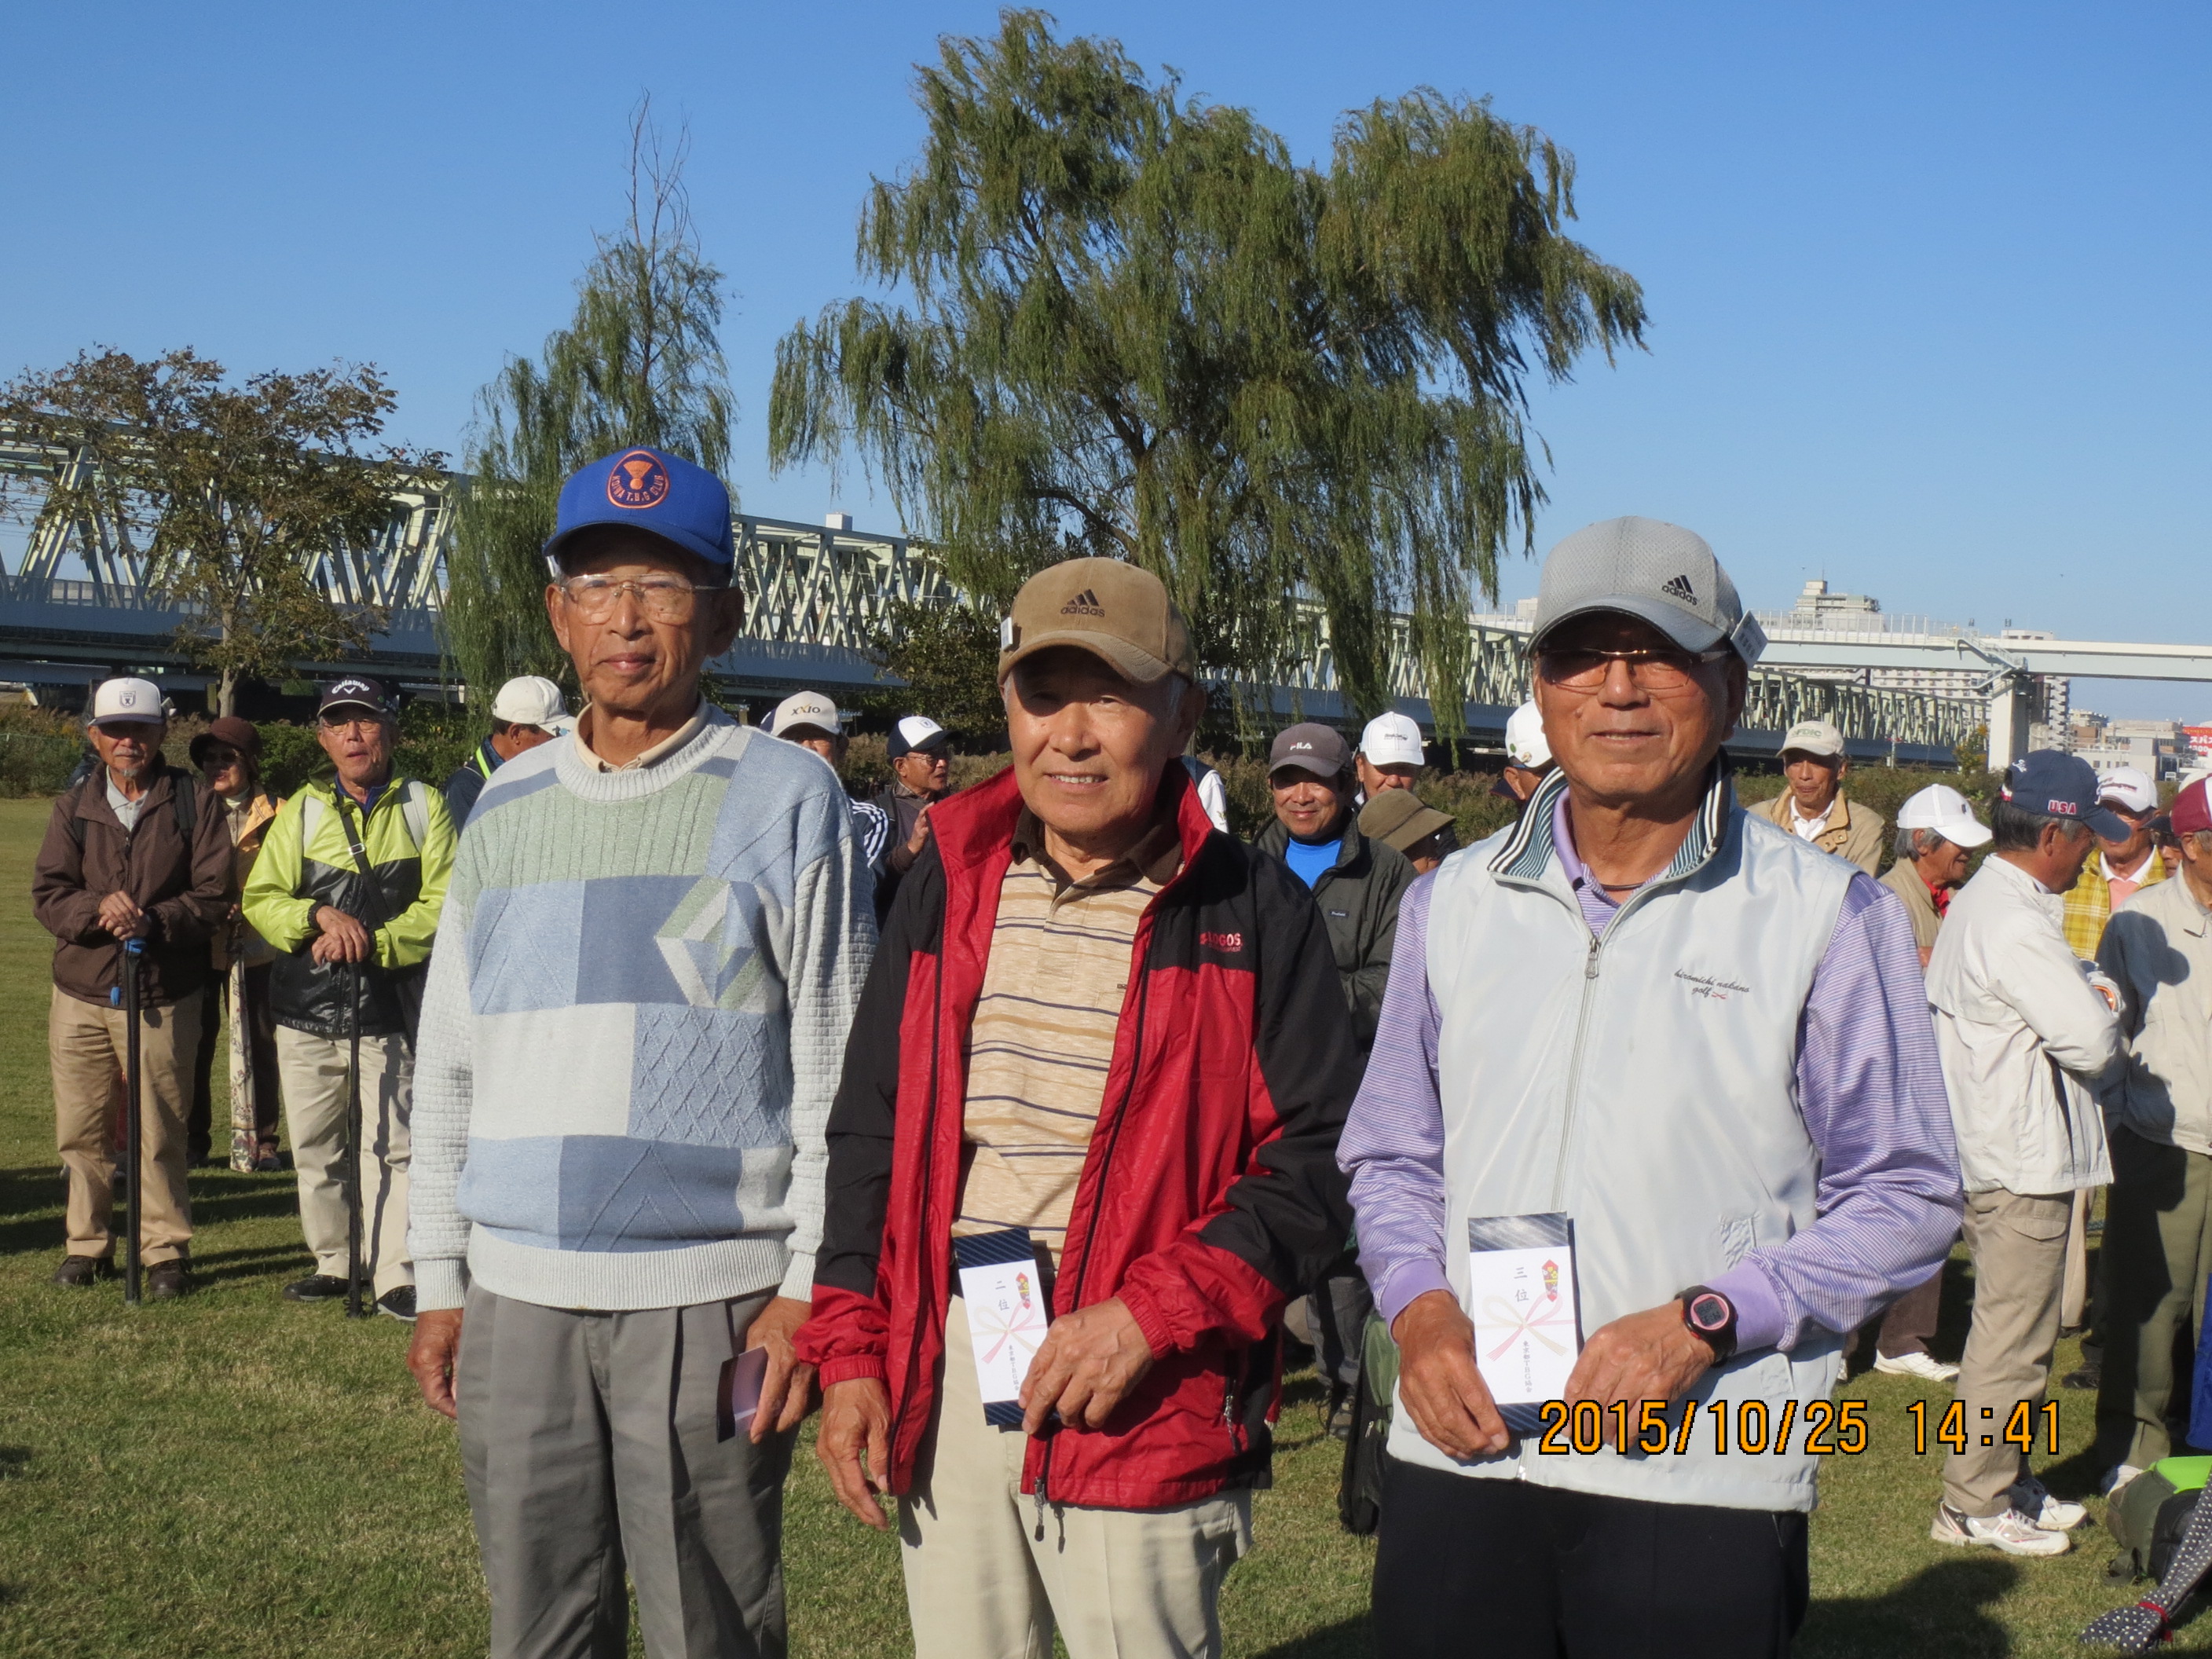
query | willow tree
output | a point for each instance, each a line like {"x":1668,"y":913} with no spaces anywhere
{"x":1137,"y":328}
{"x":640,"y":362}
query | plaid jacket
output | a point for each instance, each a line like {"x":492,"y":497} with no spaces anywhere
{"x":2089,"y":903}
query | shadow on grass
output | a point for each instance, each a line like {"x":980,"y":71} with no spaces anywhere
{"x":1346,"y":1640}
{"x":1940,"y":1609}
{"x":32,"y":1198}
{"x":254,"y":1263}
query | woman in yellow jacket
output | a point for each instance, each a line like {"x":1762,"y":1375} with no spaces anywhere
{"x":228,"y":756}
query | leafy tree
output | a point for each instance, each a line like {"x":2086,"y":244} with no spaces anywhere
{"x":230,"y":493}
{"x":1138,"y":329}
{"x":640,"y":363}
{"x":948,"y":655}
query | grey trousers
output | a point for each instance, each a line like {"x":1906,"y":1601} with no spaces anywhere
{"x":587,"y":1442}
{"x":2155,"y":1263}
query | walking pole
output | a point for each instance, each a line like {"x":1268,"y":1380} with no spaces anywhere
{"x":354,"y":1309}
{"x":133,"y":1117}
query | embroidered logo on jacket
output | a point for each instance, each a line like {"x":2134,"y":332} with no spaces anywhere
{"x":1227,"y":943}
{"x":1708,"y":985}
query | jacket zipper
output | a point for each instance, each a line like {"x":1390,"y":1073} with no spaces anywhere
{"x":1099,"y":1203}
{"x":1582,"y":1032}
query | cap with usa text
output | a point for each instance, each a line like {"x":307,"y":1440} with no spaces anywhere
{"x":2052,"y":785}
{"x":651,"y":491}
{"x":1118,"y":611}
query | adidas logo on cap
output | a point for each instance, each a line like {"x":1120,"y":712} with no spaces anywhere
{"x":1085,"y":604}
{"x":1680,"y":588}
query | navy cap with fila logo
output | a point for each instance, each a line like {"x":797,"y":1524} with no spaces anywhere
{"x":1118,"y":611}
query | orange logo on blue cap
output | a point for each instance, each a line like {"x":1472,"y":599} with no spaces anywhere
{"x":637,"y":480}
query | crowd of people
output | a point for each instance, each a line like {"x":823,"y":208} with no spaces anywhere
{"x":1010,"y":1125}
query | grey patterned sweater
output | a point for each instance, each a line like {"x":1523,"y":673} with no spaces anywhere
{"x":634,"y":1026}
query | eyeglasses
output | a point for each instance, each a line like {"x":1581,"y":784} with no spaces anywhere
{"x":1654,"y":670}
{"x":352,"y":722}
{"x":662,"y":599}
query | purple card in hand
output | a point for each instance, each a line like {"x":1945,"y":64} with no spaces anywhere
{"x":739,"y":1396}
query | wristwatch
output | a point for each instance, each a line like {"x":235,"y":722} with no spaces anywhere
{"x":1711,"y":1315}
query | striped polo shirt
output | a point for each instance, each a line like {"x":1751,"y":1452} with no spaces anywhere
{"x":1042,"y":1039}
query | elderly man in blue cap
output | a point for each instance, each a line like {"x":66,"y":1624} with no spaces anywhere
{"x":654,"y":941}
{"x":1653,"y":1115}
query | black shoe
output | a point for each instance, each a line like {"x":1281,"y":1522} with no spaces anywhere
{"x":315,"y":1288}
{"x":167,"y":1280}
{"x":399,"y":1303}
{"x":79,"y":1272}
{"x":2089,"y":1377}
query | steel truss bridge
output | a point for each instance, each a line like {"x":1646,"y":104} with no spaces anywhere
{"x":816,"y":592}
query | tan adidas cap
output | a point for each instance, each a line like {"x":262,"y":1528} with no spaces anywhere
{"x":1119,"y":612}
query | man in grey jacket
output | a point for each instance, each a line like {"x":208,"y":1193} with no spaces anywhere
{"x":2157,"y":1252}
{"x":1653,"y":1069}
{"x":2026,"y":1039}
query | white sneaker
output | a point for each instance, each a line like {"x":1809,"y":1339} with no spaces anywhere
{"x":2119,"y":1477}
{"x":2011,"y":1532}
{"x":2031,"y":1498}
{"x":1925,"y":1366}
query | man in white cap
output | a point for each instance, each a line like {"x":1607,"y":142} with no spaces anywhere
{"x":811,"y":721}
{"x":920,"y":752}
{"x":1528,"y":755}
{"x":1936,"y":831}
{"x":527,"y":712}
{"x":1812,"y":807}
{"x":1390,"y":755}
{"x":136,"y":852}
{"x":2117,"y":868}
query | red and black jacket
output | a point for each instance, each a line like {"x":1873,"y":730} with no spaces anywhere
{"x":1210,"y":1195}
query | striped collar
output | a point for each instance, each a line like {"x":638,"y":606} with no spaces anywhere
{"x":1528,"y":851}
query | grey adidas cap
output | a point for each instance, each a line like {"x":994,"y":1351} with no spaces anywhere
{"x":1659,"y":572}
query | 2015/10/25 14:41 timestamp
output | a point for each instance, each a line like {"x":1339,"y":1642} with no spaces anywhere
{"x":1953,"y":1429}
{"x":1748,"y":1428}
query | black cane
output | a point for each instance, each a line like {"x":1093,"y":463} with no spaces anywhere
{"x":133,"y":1124}
{"x":354,"y":1309}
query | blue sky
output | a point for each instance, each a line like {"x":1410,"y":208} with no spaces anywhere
{"x":1926,"y":282}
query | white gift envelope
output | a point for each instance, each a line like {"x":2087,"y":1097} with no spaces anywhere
{"x":1520,"y":1297}
{"x":1009,"y":1308}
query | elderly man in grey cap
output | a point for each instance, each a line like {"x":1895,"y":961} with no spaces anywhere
{"x":1653,"y":1113}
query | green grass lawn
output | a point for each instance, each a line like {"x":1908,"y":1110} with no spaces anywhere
{"x":235,"y":1475}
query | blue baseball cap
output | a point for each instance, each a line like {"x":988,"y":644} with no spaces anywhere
{"x":648,"y":490}
{"x":2059,"y":786}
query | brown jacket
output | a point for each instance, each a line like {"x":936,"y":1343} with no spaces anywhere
{"x":1853,"y":833}
{"x":185,"y":892}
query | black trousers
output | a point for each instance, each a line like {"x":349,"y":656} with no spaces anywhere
{"x":1505,"y":1570}
{"x":261,"y":1037}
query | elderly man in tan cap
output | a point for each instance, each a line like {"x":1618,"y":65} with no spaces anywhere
{"x":1813,"y":807}
{"x":1097,"y":1078}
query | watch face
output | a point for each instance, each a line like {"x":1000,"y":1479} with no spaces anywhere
{"x":1708,"y":1313}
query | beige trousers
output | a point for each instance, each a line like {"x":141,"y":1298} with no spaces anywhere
{"x":85,"y":1046}
{"x":1119,"y":1584}
{"x":2018,"y":1245}
{"x":2074,"y":1300}
{"x":312,"y":1070}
